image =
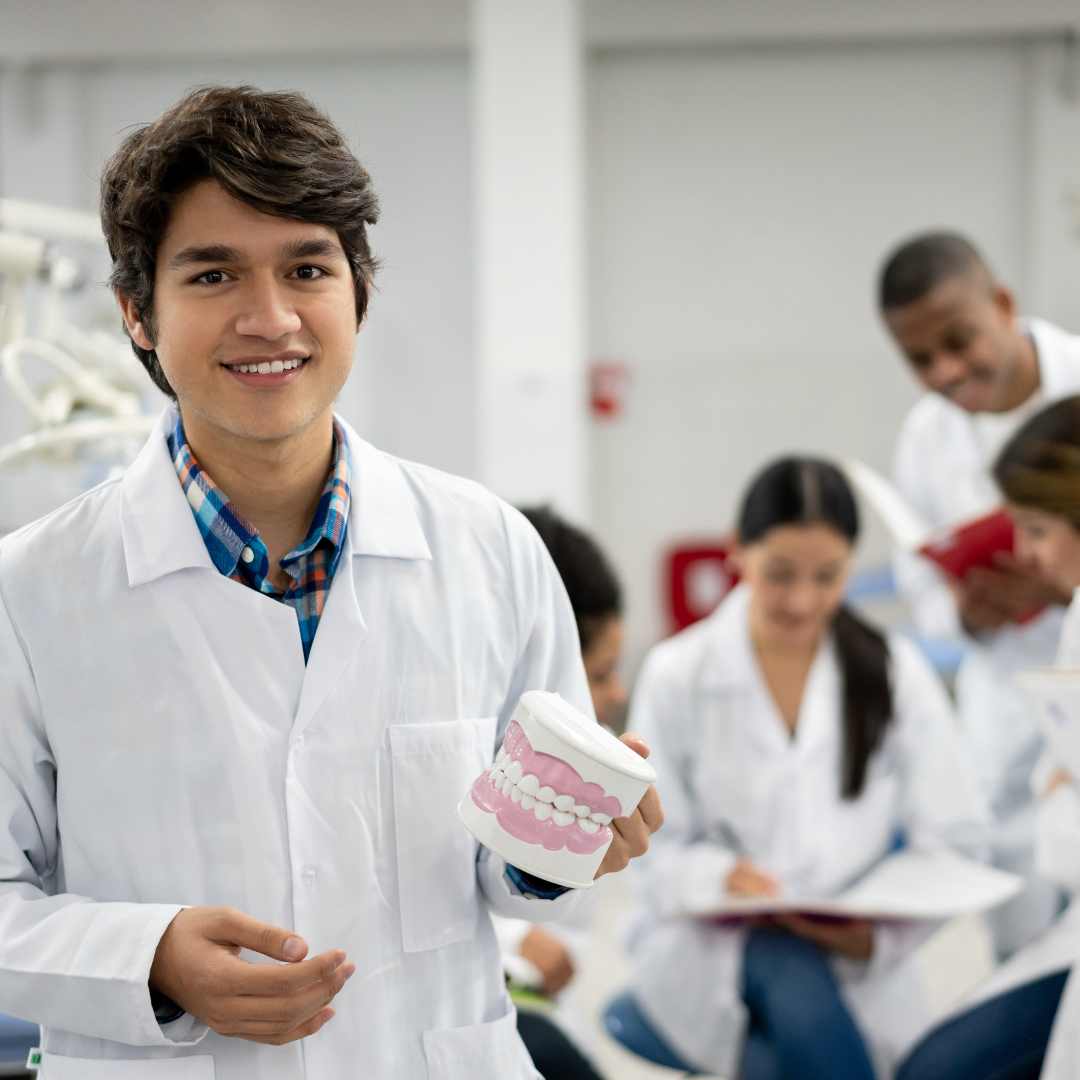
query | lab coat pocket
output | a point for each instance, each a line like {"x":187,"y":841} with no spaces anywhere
{"x":58,"y":1067}
{"x":434,"y":765}
{"x":479,"y":1052}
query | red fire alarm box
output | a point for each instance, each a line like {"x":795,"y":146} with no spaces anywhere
{"x":607,"y":388}
{"x":699,"y":577}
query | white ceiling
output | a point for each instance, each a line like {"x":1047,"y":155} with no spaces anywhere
{"x":43,"y":31}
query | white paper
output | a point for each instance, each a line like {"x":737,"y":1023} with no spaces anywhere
{"x":907,"y":885}
{"x":1055,"y":696}
{"x":905,"y":526}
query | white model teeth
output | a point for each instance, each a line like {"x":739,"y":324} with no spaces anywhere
{"x":525,"y":788}
{"x":275,"y":367}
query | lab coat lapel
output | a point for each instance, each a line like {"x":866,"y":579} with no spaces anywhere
{"x":340,"y":633}
{"x":382,"y":524}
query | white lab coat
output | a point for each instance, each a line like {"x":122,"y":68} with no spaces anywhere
{"x":942,"y":466}
{"x":723,"y":754}
{"x":163,"y":744}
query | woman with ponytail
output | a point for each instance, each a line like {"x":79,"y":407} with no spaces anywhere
{"x":795,"y":745}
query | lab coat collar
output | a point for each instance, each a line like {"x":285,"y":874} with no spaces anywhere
{"x":728,"y":659}
{"x":160,"y":533}
{"x":729,"y":663}
{"x":382,"y":518}
{"x":159,"y":530}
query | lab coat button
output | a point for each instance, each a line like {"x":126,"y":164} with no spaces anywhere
{"x":247,"y":554}
{"x":298,"y":743}
{"x":309,"y":874}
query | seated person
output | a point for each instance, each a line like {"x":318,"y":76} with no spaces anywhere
{"x":1005,"y":1035}
{"x":794,"y":744}
{"x":552,"y":950}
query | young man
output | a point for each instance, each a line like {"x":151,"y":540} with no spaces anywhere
{"x":986,"y":371}
{"x":236,"y":726}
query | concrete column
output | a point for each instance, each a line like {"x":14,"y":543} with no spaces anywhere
{"x":531,"y":439}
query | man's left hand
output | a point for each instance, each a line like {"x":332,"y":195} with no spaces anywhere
{"x":632,"y":833}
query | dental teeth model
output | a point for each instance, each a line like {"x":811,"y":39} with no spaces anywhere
{"x":547,"y":803}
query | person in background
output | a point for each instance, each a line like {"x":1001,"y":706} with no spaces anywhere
{"x":796,"y":747}
{"x":596,"y":599}
{"x":1004,"y":1031}
{"x":986,"y":371}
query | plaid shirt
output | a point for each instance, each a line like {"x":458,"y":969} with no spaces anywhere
{"x":238,"y":551}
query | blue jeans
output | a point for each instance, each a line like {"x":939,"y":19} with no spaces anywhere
{"x":1004,"y":1038}
{"x":800,"y":1028}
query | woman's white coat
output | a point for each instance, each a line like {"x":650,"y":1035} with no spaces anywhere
{"x":724,"y":755}
{"x":163,"y":744}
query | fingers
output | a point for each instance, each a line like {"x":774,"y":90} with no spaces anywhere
{"x":235,"y":928}
{"x":651,"y":809}
{"x":302,"y":1032}
{"x":636,"y":743}
{"x":274,"y":980}
{"x":272,"y":1014}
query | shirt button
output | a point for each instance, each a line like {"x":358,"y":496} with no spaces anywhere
{"x":247,"y":554}
{"x":309,"y":874}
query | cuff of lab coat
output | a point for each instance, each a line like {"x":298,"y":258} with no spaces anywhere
{"x":185,"y":1030}
{"x":505,"y":899}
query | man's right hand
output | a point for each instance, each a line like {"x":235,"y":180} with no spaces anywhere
{"x":197,"y":965}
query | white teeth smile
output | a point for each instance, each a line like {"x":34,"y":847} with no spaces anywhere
{"x":525,"y":788}
{"x":271,"y":367}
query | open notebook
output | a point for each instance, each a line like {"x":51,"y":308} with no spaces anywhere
{"x":906,"y":885}
{"x":955,"y":548}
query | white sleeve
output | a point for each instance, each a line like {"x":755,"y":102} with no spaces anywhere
{"x":941,"y":802}
{"x":682,"y":868}
{"x":66,"y":961}
{"x":549,"y":658}
{"x":932,"y":603}
{"x":1057,"y":837}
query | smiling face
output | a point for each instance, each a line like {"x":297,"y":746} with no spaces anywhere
{"x":1050,"y":541}
{"x":962,"y":342}
{"x":798,"y":574}
{"x":238,"y":289}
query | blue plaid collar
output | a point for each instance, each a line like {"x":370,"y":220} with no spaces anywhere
{"x":237,"y":550}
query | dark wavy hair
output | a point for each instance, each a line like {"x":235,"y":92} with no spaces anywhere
{"x":274,"y":151}
{"x":594,"y":590}
{"x":807,"y":491}
{"x":1040,"y":465}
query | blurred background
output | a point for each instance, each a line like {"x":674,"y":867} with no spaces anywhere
{"x":629,"y":246}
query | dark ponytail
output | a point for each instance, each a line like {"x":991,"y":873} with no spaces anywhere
{"x":806,"y":491}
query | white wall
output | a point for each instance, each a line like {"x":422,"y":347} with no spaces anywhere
{"x":412,"y":388}
{"x":741,"y":202}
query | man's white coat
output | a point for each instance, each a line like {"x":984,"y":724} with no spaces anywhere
{"x":163,"y":744}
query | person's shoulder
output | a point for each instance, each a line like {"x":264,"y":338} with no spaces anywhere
{"x":706,"y":647}
{"x":67,"y":537}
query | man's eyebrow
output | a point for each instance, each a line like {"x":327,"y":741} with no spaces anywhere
{"x":214,"y":253}
{"x":315,"y":247}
